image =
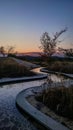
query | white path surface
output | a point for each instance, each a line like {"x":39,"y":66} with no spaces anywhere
{"x":10,"y":117}
{"x":46,"y":121}
{"x":26,"y":64}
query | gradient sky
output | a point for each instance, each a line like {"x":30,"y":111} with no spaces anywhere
{"x":22,"y":22}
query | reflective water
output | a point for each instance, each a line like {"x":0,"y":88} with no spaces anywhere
{"x":10,"y":117}
{"x":53,"y":77}
{"x":57,"y":78}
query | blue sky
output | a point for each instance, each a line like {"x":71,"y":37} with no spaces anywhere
{"x":22,"y":22}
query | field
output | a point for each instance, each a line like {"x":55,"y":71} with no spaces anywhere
{"x":10,"y":68}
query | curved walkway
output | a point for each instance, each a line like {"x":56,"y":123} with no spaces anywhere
{"x":10,"y":117}
{"x":21,"y":99}
{"x":26,"y":63}
{"x":46,"y":121}
{"x":39,"y":75}
{"x":35,"y":68}
{"x":64,"y":74}
{"x":26,"y":106}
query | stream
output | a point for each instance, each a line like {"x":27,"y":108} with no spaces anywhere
{"x":10,"y":117}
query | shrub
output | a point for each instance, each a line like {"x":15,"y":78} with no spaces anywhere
{"x":65,"y":67}
{"x":10,"y":68}
{"x":58,"y":99}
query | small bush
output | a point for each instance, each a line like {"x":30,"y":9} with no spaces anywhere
{"x":58,"y":99}
{"x":10,"y":68}
{"x":65,"y":67}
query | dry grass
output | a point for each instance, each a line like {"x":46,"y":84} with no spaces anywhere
{"x":58,"y":99}
{"x":65,"y":67}
{"x":10,"y":68}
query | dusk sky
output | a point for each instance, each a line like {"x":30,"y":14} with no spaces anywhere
{"x":22,"y":22}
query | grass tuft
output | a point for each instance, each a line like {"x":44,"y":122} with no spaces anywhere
{"x":65,"y":67}
{"x":58,"y":99}
{"x":10,"y":68}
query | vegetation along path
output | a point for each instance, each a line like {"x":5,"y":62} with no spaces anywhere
{"x":10,"y":117}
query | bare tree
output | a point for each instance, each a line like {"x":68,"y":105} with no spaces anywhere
{"x":48,"y":44}
{"x":69,"y":52}
{"x":10,"y":50}
{"x":2,"y":50}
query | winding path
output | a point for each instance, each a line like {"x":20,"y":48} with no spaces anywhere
{"x":10,"y":117}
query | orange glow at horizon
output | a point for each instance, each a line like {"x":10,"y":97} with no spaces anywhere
{"x":27,"y":47}
{"x":22,"y":43}
{"x":27,"y":51}
{"x":29,"y":42}
{"x":23,"y":22}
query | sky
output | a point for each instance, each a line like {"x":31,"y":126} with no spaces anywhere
{"x":22,"y":22}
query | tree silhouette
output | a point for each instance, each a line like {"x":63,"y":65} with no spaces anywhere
{"x":2,"y":50}
{"x":10,"y":50}
{"x":48,"y":44}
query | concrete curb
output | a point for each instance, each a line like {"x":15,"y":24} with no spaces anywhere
{"x":43,"y":119}
{"x":39,"y":75}
{"x":53,"y":72}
